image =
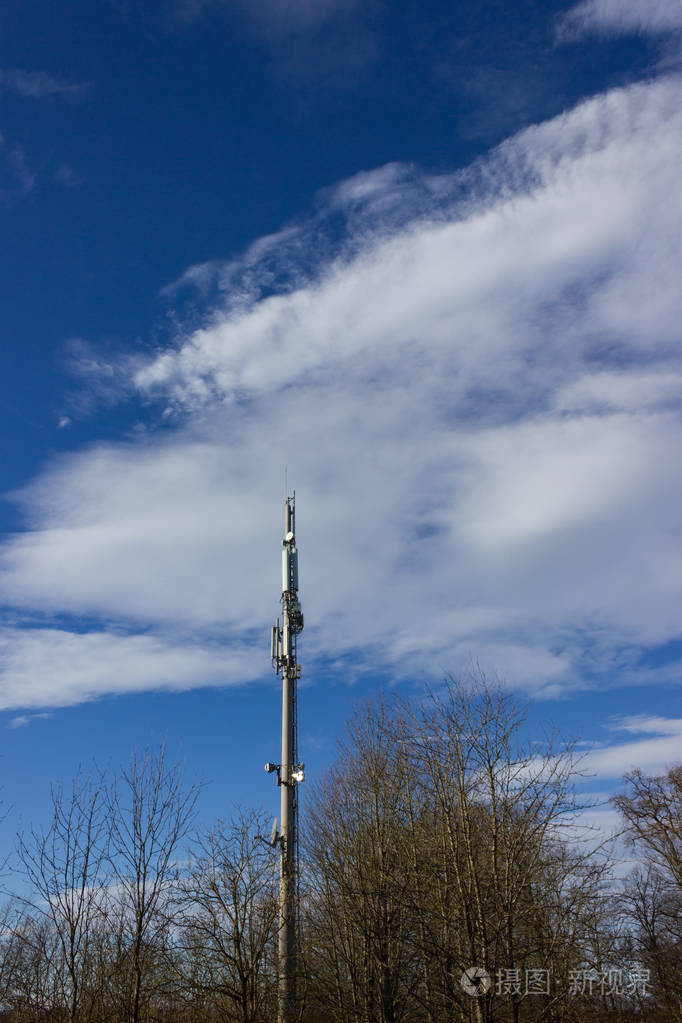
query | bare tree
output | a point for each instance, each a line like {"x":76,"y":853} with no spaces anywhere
{"x":359,"y":875}
{"x":64,"y":867}
{"x":151,"y":812}
{"x":440,"y":841}
{"x":652,"y":810}
{"x":653,"y":814}
{"x":35,"y":988}
{"x":229,"y":920}
{"x":512,"y":892}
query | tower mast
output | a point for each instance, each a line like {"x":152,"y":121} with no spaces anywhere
{"x":289,"y":771}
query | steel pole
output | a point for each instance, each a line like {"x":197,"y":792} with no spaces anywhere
{"x":287,"y":863}
{"x":288,"y":853}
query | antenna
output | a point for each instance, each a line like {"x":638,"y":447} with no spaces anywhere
{"x":289,"y":772}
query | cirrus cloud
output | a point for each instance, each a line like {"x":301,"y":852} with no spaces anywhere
{"x":476,"y":388}
{"x":58,"y":668}
{"x":41,"y":84}
{"x":620,"y":17}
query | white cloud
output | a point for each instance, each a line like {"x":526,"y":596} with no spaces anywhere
{"x":622,"y":17}
{"x":17,"y":170}
{"x":653,"y":755}
{"x":65,"y":175}
{"x":243,"y":279}
{"x":50,"y":667}
{"x":278,"y":15}
{"x":20,"y":721}
{"x":476,"y":397}
{"x":535,"y":266}
{"x":40,"y":84}
{"x":23,"y":174}
{"x":620,"y":390}
{"x":25,"y":719}
{"x":648,"y":724}
{"x":20,"y":176}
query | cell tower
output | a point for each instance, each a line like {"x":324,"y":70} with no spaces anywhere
{"x":289,"y":772}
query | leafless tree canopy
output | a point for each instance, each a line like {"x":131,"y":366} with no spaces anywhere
{"x":444,"y":879}
{"x":652,"y":809}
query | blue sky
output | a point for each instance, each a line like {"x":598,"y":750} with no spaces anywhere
{"x":428,"y":256}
